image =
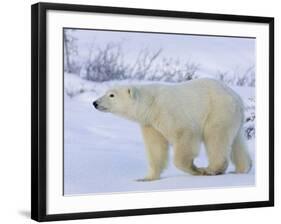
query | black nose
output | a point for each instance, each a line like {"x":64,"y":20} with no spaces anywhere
{"x":95,"y":104}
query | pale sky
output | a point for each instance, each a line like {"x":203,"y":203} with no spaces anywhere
{"x":211,"y":52}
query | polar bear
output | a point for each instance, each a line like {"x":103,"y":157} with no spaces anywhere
{"x":184,"y":115}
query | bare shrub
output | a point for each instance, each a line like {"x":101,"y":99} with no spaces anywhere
{"x":171,"y":70}
{"x":106,"y":64}
{"x":70,"y":51}
{"x":238,"y":78}
{"x":144,"y":64}
{"x":250,"y":118}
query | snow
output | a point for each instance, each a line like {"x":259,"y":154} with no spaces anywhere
{"x":105,"y":154}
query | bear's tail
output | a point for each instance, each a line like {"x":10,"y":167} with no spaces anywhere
{"x":240,"y":155}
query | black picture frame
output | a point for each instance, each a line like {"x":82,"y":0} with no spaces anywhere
{"x":39,"y":108}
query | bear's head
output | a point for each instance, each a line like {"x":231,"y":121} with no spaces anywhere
{"x":120,"y":101}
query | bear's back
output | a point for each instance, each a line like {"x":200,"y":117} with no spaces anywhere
{"x":190,"y":102}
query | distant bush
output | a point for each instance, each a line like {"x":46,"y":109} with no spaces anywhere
{"x":250,"y":118}
{"x":238,"y":78}
{"x":249,"y":126}
{"x":107,"y":63}
{"x":170,"y":70}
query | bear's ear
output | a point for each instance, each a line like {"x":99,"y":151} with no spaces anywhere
{"x":132,"y":91}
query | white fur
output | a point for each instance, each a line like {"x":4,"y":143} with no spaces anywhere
{"x":184,"y":115}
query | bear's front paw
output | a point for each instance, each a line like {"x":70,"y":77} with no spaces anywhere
{"x":148,"y":178}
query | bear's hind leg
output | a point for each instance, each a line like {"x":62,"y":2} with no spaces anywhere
{"x":218,"y":141}
{"x":185,"y":151}
{"x":157,"y":152}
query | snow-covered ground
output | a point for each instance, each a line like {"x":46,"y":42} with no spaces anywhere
{"x":105,"y":154}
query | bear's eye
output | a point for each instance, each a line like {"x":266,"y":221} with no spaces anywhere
{"x":111,"y":95}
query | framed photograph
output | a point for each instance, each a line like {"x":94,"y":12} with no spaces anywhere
{"x":140,"y":111}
